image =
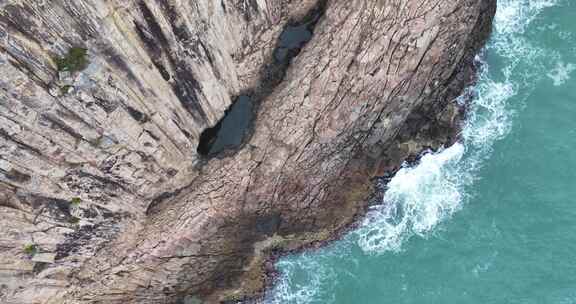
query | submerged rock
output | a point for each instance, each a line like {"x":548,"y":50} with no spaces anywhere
{"x":373,"y":85}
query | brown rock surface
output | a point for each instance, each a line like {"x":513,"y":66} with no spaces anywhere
{"x":99,"y":169}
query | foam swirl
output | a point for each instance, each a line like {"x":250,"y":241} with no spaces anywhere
{"x":421,"y":197}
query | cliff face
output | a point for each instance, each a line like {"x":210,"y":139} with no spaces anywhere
{"x":103,"y":196}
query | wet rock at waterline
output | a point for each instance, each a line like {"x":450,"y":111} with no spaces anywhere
{"x":104,"y":106}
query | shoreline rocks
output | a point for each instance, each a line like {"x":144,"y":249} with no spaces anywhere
{"x":152,"y":221}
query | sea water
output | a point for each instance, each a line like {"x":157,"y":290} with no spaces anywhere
{"x":491,"y":219}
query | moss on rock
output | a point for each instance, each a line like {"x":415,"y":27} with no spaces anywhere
{"x":75,"y":60}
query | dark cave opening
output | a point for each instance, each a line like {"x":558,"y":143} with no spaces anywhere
{"x":230,"y":130}
{"x":234,"y":127}
{"x":294,"y":37}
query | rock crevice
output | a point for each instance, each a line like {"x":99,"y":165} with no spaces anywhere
{"x":99,"y":170}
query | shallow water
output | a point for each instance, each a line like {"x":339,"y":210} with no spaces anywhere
{"x":489,"y":220}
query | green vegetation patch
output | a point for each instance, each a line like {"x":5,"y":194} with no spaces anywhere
{"x":65,"y":89}
{"x":75,"y":60}
{"x":74,"y":220}
{"x":75,"y":201}
{"x":31,"y":249}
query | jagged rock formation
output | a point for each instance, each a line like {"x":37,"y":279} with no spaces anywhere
{"x":103,"y":197}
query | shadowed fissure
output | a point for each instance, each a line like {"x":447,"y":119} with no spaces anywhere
{"x":232,"y":130}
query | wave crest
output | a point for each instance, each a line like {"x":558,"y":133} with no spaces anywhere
{"x":421,"y":197}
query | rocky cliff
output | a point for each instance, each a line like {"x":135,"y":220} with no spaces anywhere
{"x":104,"y":197}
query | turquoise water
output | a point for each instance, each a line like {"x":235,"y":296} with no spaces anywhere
{"x":489,"y":220}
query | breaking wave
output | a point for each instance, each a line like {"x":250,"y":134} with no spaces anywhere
{"x":302,"y":281}
{"x":420,"y":197}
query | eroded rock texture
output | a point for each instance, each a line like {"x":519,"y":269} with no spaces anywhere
{"x":99,"y":170}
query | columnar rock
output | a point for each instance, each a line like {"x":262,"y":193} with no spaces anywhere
{"x":103,"y":196}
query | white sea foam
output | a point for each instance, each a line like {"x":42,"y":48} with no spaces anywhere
{"x":561,"y":73}
{"x":312,"y":278}
{"x":404,"y":212}
{"x":514,"y":16}
{"x":421,"y":197}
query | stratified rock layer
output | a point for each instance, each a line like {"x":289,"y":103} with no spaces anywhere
{"x":99,"y":170}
